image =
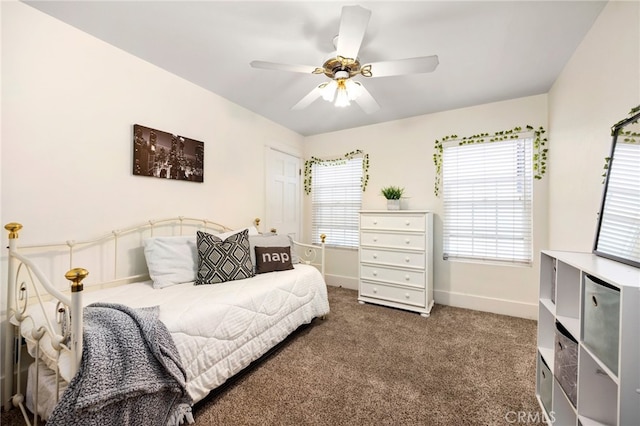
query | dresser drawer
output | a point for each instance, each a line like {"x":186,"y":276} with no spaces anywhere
{"x":398,"y":276}
{"x":407,"y":296}
{"x":399,"y":258}
{"x":393,"y":222}
{"x":395,"y":240}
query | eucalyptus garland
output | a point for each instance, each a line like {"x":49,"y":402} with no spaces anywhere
{"x":308,"y":165}
{"x":628,"y":136}
{"x":631,"y":114}
{"x":539,"y":146}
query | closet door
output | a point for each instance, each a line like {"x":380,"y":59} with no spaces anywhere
{"x":282,"y":193}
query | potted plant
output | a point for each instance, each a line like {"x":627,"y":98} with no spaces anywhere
{"x":393,"y":195}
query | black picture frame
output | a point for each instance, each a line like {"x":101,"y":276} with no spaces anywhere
{"x":167,"y":156}
{"x":624,"y":255}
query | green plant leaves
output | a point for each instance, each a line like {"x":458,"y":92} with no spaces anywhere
{"x":308,"y":165}
{"x":539,"y":147}
{"x":392,"y":192}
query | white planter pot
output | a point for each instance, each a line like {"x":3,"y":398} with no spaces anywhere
{"x":393,"y":204}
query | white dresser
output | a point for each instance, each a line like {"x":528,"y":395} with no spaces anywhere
{"x":396,"y":259}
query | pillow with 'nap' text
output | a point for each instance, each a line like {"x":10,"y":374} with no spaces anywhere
{"x":270,"y":259}
{"x":271,"y":240}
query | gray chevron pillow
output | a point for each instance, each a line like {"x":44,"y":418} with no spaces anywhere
{"x":220,"y":261}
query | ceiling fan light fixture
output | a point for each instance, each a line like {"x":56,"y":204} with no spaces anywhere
{"x":342,"y":95}
{"x":341,"y":90}
{"x":341,"y":75}
{"x":329,"y":91}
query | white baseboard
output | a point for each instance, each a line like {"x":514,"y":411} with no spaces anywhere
{"x":487,"y":304}
{"x":459,"y":300}
{"x":341,"y":281}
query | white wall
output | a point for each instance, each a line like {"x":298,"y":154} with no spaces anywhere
{"x":597,"y":88}
{"x":69,"y":102}
{"x":401,"y":154}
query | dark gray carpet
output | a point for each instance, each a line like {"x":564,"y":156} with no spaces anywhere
{"x":372,"y":365}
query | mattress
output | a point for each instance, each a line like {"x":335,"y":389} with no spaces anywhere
{"x":218,"y":329}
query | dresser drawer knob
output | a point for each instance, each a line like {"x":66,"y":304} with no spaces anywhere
{"x":375,"y":290}
{"x":407,"y":223}
{"x":407,"y":296}
{"x":407,"y":278}
{"x":375,"y":255}
{"x":375,"y":239}
{"x":407,"y":241}
{"x":406,"y":259}
{"x":375,"y":222}
{"x":375,"y":273}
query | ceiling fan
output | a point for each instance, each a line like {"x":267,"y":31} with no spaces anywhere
{"x":340,"y":69}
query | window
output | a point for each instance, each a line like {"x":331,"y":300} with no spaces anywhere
{"x":336,"y":199}
{"x":487,"y":195}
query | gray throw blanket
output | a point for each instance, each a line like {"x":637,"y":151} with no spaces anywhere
{"x":130,"y":373}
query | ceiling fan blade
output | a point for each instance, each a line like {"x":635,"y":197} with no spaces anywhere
{"x":419,"y":65}
{"x":366,"y":101}
{"x":353,"y":25}
{"x":307,"y":69}
{"x":309,"y":98}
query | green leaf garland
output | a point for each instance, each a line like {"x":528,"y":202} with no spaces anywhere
{"x":539,"y":149}
{"x":625,"y":137}
{"x":364,"y":180}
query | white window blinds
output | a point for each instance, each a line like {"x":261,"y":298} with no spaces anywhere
{"x":487,"y":195}
{"x":336,"y":200}
{"x":620,"y":224}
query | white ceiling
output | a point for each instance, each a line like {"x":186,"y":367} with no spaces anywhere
{"x":488,"y":51}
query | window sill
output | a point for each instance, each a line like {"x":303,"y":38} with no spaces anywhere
{"x":489,"y":262}
{"x":329,"y":246}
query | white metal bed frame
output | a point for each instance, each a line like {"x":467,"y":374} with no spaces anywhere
{"x":24,"y":277}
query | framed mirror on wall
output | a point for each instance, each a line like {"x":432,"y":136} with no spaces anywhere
{"x":618,"y":231}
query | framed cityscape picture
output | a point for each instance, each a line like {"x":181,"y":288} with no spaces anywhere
{"x":167,"y":156}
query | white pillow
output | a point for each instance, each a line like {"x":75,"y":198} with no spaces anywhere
{"x":174,"y":260}
{"x":224,"y":235}
{"x":38,"y":319}
{"x":171,"y":260}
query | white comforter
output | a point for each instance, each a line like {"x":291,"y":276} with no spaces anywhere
{"x":220,"y":329}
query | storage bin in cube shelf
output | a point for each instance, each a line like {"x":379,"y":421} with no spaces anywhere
{"x":545,"y":380}
{"x":601,"y":320}
{"x":566,"y":362}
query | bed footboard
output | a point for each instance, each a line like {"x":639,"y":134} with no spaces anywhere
{"x":311,"y":254}
{"x":27,"y":283}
